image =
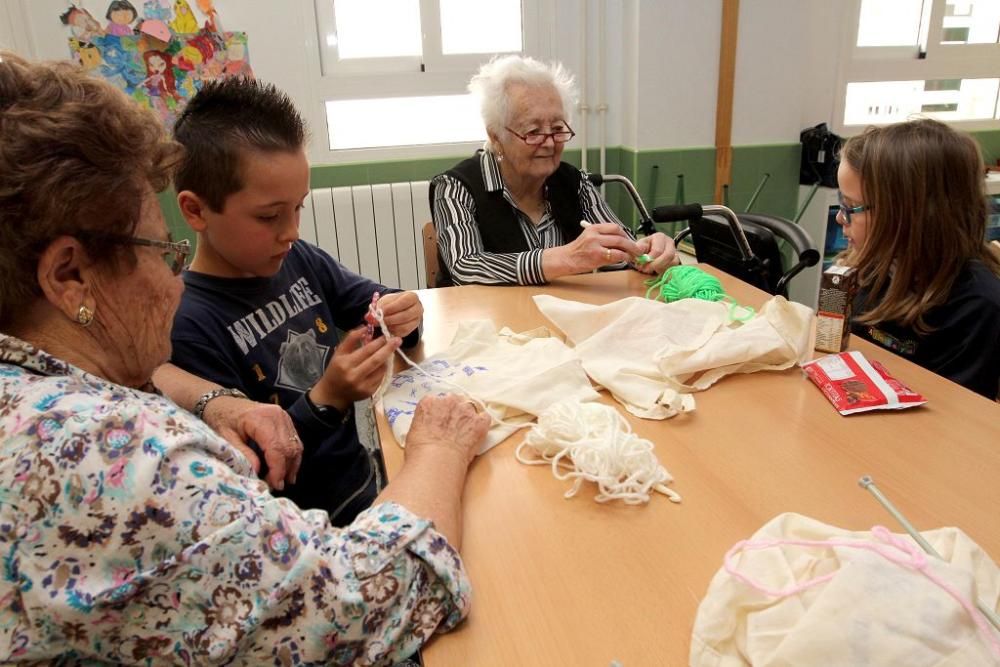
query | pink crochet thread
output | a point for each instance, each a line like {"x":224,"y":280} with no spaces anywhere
{"x":894,"y":549}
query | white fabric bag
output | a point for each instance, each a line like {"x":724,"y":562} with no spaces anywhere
{"x":871,"y":611}
{"x":517,"y":376}
{"x":648,"y":354}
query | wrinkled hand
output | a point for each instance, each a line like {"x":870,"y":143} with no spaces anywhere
{"x":599,"y":245}
{"x":402,"y":312}
{"x":239,"y":419}
{"x":450,"y":422}
{"x":661,"y":251}
{"x":355,"y":371}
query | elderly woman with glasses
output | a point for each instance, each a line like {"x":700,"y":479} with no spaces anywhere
{"x":514,"y":213}
{"x":131,"y":532}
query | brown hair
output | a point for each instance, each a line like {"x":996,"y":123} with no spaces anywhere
{"x":76,"y":159}
{"x":923,"y":182}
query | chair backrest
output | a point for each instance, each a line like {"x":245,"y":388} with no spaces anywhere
{"x":431,"y":267}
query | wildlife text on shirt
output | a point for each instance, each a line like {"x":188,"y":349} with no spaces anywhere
{"x":255,"y":326}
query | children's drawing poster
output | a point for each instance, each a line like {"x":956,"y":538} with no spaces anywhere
{"x":160,"y":56}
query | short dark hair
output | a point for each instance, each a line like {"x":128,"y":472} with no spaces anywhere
{"x":225,"y":118}
{"x":118,"y":5}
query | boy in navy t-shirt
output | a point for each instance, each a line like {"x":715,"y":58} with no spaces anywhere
{"x":261,"y":308}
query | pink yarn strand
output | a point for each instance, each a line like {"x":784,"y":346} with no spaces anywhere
{"x":900,"y":551}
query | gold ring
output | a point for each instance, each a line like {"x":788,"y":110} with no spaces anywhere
{"x":475,"y":406}
{"x":293,"y":438}
{"x":607,"y":254}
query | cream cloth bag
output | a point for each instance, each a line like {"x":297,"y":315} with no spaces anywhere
{"x":647,"y":353}
{"x":870,"y":611}
{"x":517,"y":376}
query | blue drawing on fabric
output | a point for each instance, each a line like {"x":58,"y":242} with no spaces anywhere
{"x":392,"y":414}
{"x":439,"y":363}
{"x":403,"y":378}
{"x":471,"y":370}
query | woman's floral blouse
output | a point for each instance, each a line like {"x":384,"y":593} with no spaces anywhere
{"x":131,"y":533}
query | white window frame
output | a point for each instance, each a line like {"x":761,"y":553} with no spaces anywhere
{"x":893,"y":63}
{"x":381,"y":78}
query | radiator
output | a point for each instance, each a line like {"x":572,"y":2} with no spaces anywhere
{"x":374,"y":230}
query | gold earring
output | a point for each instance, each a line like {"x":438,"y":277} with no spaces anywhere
{"x":84,"y":316}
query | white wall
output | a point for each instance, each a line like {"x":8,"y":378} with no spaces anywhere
{"x":676,"y":73}
{"x":13,"y":36}
{"x":660,"y":60}
{"x":768,"y":98}
{"x":825,"y":25}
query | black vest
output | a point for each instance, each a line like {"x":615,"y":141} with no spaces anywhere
{"x":498,"y":221}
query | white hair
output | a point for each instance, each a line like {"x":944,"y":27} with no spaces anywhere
{"x":491,"y":82}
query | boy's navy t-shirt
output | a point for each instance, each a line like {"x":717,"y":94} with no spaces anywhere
{"x":272,"y":338}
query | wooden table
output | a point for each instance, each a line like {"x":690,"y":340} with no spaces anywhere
{"x":573,"y":582}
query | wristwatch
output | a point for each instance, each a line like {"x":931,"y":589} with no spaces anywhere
{"x":199,"y":407}
{"x":328,"y":413}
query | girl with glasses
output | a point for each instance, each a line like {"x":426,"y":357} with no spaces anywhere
{"x":914,"y":211}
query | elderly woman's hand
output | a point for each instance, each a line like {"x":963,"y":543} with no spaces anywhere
{"x":598,"y":245}
{"x":661,"y":251}
{"x":239,"y":419}
{"x":448,"y":423}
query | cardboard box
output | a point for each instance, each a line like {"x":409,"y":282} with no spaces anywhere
{"x":837,"y":288}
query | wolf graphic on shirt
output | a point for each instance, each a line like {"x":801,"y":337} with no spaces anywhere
{"x":302,"y":360}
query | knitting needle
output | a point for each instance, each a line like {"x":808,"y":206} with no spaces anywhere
{"x":868,"y":483}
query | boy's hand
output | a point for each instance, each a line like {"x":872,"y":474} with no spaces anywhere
{"x":355,"y":371}
{"x":402,"y":312}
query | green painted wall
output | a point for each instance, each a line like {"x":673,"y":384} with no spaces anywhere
{"x":655,"y":174}
{"x":989,"y":142}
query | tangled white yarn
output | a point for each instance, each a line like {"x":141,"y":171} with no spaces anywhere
{"x":581,"y":441}
{"x":592,"y":442}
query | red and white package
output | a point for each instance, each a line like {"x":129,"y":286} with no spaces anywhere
{"x":854,"y":384}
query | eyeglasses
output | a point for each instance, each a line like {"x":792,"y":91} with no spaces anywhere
{"x":536,"y":138}
{"x":177,"y":251}
{"x":848,"y":211}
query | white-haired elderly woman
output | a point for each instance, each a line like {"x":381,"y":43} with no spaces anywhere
{"x":511,"y":214}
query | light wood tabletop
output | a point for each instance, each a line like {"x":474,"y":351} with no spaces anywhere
{"x":572,"y":582}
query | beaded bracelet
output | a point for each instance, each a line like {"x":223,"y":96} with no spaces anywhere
{"x":199,"y":407}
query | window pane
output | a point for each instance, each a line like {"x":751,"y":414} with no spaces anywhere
{"x":403,"y":121}
{"x":480,"y":26}
{"x":890,"y":22}
{"x":971,"y":22}
{"x":881,"y":102}
{"x":363,"y":30}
